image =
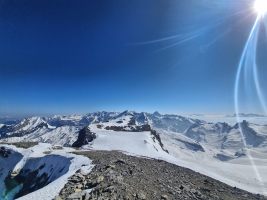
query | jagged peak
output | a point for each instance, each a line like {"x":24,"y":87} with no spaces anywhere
{"x":126,"y":112}
{"x":156,"y":113}
{"x":242,"y":124}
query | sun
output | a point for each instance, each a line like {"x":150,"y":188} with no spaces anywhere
{"x":260,"y":7}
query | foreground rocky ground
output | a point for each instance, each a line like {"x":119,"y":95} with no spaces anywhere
{"x":119,"y":176}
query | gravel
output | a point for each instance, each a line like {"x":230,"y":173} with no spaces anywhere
{"x":120,"y":176}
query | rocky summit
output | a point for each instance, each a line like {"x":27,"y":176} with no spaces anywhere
{"x":119,"y":176}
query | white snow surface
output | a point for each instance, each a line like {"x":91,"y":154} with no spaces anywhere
{"x":237,"y":172}
{"x":32,"y":122}
{"x":139,"y":143}
{"x":51,"y":190}
{"x":68,"y":117}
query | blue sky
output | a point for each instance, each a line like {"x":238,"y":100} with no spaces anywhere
{"x":174,"y":56}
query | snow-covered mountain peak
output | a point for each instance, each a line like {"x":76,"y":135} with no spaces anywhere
{"x":126,"y":113}
{"x":74,"y":117}
{"x":156,"y":114}
{"x":250,"y":136}
{"x":33,"y":123}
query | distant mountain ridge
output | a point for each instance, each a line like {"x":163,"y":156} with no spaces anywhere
{"x":64,"y":130}
{"x":247,"y":115}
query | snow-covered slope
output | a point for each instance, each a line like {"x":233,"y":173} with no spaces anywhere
{"x":7,"y":164}
{"x":25,"y":127}
{"x":39,"y":172}
{"x":37,"y":129}
{"x":80,"y":120}
{"x":137,"y":142}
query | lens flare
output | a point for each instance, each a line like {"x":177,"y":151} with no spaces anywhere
{"x":248,"y":62}
{"x":260,"y":7}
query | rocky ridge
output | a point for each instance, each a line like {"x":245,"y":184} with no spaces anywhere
{"x":120,"y":176}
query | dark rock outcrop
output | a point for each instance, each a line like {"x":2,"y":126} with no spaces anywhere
{"x":251,"y":137}
{"x":156,"y":136}
{"x":223,"y":157}
{"x":85,"y":136}
{"x":130,"y":128}
{"x":191,"y":145}
{"x":4,"y":152}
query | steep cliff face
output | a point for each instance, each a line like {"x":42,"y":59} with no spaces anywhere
{"x":85,"y":137}
{"x":38,"y":172}
{"x":8,"y":160}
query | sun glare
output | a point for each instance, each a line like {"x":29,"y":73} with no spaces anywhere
{"x":260,"y":7}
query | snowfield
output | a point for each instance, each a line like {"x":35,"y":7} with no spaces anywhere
{"x":135,"y":143}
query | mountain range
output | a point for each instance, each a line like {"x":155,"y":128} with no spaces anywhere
{"x":220,"y":150}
